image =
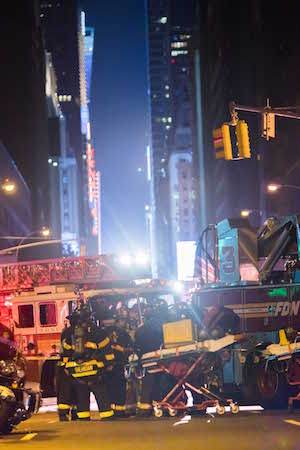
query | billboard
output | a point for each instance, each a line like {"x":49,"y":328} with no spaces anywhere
{"x":186,"y":251}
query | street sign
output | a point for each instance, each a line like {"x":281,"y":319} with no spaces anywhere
{"x":268,"y":125}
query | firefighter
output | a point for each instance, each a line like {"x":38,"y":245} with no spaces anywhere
{"x":121,"y":344}
{"x":65,"y":385}
{"x":92,"y":356}
{"x":148,"y":338}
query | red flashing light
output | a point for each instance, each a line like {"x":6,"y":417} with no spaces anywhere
{"x":173,"y":61}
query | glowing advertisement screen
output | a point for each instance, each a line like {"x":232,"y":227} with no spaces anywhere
{"x":185,"y":260}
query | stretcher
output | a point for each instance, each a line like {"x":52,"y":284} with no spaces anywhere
{"x":289,"y":356}
{"x":189,"y":366}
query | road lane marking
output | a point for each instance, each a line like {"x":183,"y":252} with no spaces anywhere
{"x":28,"y":436}
{"x":293,"y":422}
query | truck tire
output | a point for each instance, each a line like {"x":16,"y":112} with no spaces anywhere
{"x":273,"y":388}
{"x":5,"y":412}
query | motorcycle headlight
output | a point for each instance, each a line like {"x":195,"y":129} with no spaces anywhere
{"x":7,"y":368}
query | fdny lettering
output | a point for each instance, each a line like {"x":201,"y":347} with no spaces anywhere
{"x":287,"y":308}
{"x":81,"y":369}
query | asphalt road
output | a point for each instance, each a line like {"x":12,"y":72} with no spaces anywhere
{"x":247,"y":430}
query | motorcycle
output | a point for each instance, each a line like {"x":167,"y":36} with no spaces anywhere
{"x":13,"y":408}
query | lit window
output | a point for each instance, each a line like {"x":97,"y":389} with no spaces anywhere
{"x":179,"y":44}
{"x":167,"y":95}
{"x":164,"y":120}
{"x":168,"y":127}
{"x":167,"y":87}
{"x":69,"y":98}
{"x":179,"y":52}
{"x":170,"y":119}
{"x":163,"y":20}
{"x":64,"y":98}
{"x":163,"y":160}
{"x":60,"y":97}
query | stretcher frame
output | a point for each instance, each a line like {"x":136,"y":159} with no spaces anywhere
{"x":172,"y":403}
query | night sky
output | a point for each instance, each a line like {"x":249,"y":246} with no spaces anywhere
{"x":118,"y":113}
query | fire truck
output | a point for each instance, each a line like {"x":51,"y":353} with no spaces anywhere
{"x":36,"y":298}
{"x":256,"y":273}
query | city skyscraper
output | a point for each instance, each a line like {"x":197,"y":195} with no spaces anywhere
{"x":63,"y":172}
{"x":169,"y":30}
{"x":23,"y":115}
{"x":63,"y":29}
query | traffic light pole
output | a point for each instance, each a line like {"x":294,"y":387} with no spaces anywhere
{"x":285,"y":111}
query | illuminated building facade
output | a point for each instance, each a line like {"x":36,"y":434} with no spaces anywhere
{"x":169,"y":30}
{"x":63,"y":172}
{"x":88,"y":54}
{"x":182,"y":202}
{"x":63,"y":28}
{"x":93,"y":176}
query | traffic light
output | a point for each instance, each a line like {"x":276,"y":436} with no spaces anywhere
{"x":222,"y":143}
{"x":242,"y":136}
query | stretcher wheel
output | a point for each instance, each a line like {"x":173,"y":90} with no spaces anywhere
{"x":220,"y":410}
{"x":158,"y":412}
{"x":234,"y":408}
{"x":172,"y":412}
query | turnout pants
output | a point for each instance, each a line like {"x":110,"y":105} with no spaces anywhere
{"x":100,"y":390}
{"x":66,"y":390}
{"x":117,"y":390}
{"x":99,"y":387}
{"x":154,"y":388}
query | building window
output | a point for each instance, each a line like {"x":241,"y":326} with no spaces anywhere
{"x":48,"y":314}
{"x":179,"y":44}
{"x":26,"y":318}
{"x":163,"y":20}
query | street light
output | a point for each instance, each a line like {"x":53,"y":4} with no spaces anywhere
{"x":8,"y":186}
{"x":275,"y":187}
{"x":245,"y":213}
{"x":45,"y":232}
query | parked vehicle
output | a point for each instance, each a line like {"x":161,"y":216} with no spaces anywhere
{"x":16,"y":402}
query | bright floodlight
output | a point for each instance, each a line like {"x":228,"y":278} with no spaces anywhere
{"x":273,"y":187}
{"x":125,"y":259}
{"x":45,"y":232}
{"x":178,"y":287}
{"x":142,"y":259}
{"x":9,"y":186}
{"x":245,"y":213}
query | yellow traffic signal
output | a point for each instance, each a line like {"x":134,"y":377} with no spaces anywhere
{"x":222,"y":143}
{"x":242,"y":135}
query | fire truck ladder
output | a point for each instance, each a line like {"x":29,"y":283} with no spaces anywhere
{"x":77,"y":270}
